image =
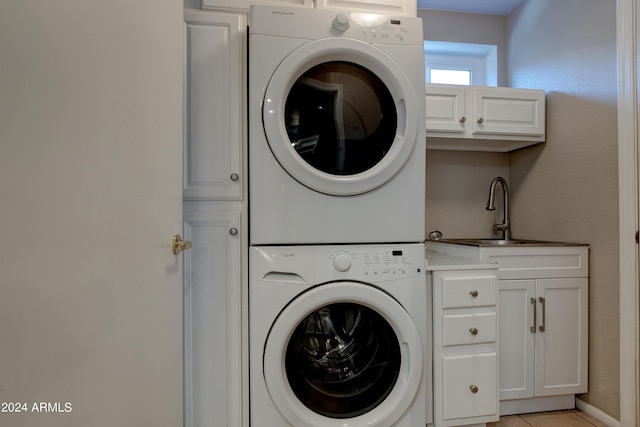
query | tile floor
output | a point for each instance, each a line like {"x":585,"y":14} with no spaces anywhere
{"x":569,"y":418}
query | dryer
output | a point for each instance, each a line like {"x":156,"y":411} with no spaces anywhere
{"x":339,"y":335}
{"x":336,"y":127}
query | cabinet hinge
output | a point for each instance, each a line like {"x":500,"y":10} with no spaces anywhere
{"x":637,"y":236}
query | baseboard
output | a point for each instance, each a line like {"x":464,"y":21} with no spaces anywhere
{"x":597,"y":414}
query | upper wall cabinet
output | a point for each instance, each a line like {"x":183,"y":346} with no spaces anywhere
{"x":214,"y":107}
{"x":392,"y":7}
{"x":479,"y":118}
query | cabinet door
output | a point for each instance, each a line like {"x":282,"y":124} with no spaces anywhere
{"x":212,"y":319}
{"x":517,"y":338}
{"x":445,"y":109}
{"x":395,"y":7}
{"x":243,"y":5}
{"x":508,"y":111}
{"x":561,"y":340}
{"x":469,"y":387}
{"x":214,"y":105}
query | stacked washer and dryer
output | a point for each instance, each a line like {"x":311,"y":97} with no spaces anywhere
{"x":338,"y":302}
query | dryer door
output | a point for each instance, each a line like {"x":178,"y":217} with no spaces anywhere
{"x":343,"y":353}
{"x":335,"y":115}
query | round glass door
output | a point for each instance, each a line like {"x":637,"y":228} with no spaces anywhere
{"x":335,"y":116}
{"x":340,"y":118}
{"x":343,"y":353}
{"x":343,"y":359}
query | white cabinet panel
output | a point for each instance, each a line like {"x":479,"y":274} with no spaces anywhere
{"x":561,"y":341}
{"x":214,"y":106}
{"x":212,"y":319}
{"x":393,"y":7}
{"x":507,"y":111}
{"x":516,"y":339}
{"x":446,"y":110}
{"x":243,"y":5}
{"x":468,"y":291}
{"x":470,"y":386}
{"x":463,"y":329}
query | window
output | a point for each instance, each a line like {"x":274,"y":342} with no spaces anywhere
{"x":461,"y":63}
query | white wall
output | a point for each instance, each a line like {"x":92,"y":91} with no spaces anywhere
{"x":458,"y":190}
{"x":567,"y":188}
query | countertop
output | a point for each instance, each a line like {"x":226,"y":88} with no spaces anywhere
{"x":443,"y":261}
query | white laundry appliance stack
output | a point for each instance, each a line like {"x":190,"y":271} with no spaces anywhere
{"x":337,"y":290}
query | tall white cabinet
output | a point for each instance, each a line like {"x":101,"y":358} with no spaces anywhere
{"x":215,"y":219}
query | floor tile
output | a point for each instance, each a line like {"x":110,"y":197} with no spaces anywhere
{"x":509,"y":421}
{"x":590,"y":419}
{"x":556,"y":419}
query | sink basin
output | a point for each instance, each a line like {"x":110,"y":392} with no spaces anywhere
{"x":501,"y":242}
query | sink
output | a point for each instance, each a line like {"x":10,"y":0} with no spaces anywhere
{"x":509,"y":242}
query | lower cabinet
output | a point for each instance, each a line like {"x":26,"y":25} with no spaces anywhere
{"x":465,"y":347}
{"x":212,"y":319}
{"x":543,"y":340}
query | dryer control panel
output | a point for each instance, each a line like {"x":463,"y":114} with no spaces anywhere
{"x":314,"y":24}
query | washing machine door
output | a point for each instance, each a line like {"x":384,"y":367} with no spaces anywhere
{"x":336,"y":116}
{"x":343,"y":354}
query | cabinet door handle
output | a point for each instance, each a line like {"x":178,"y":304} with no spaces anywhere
{"x":233,"y":231}
{"x":473,"y":293}
{"x":463,"y":119}
{"x":473,"y":388}
{"x":473,"y":331}
{"x":480,"y":120}
{"x":234,"y":177}
{"x":535,"y":315}
{"x":542,"y":301}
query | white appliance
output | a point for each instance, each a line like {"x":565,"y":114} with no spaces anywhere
{"x":339,"y":336}
{"x":336,"y":127}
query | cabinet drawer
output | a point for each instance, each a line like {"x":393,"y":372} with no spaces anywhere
{"x":469,"y":385}
{"x":472,"y":291}
{"x":461,"y":329}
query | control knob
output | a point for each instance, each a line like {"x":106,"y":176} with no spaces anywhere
{"x":342,"y":262}
{"x":341,"y":22}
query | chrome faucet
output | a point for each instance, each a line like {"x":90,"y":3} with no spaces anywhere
{"x":504,"y":227}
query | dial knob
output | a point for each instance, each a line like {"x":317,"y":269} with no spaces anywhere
{"x":341,"y":22}
{"x":342,"y":262}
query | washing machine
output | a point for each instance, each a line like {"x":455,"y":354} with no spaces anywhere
{"x":336,"y":127}
{"x":339,"y":336}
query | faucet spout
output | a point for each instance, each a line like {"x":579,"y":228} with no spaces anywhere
{"x":505,"y":225}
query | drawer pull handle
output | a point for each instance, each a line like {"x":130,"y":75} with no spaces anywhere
{"x":532,"y":329}
{"x":474,"y":331}
{"x":473,"y":388}
{"x":542,"y":301}
{"x":473,"y":293}
{"x":463,"y":119}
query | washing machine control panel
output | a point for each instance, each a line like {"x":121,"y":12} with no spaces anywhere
{"x":374,"y":262}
